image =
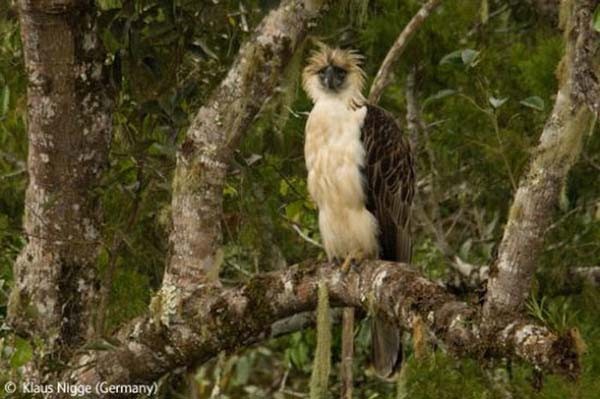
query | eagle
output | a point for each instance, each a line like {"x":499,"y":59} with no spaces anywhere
{"x":361,"y":177}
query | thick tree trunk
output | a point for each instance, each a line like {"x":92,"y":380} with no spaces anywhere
{"x":559,"y":147}
{"x":69,"y":128}
{"x":215,"y":131}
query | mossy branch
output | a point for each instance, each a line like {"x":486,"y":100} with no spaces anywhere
{"x":215,"y":320}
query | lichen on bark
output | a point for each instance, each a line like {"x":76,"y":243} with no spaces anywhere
{"x":69,"y":127}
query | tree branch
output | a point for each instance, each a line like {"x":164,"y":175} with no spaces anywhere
{"x":216,"y":129}
{"x":218,"y":320}
{"x":585,"y":68}
{"x":384,"y":75}
{"x":558,"y":149}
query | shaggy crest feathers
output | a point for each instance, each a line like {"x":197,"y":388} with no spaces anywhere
{"x":349,"y":60}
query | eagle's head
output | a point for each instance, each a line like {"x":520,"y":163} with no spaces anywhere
{"x":334,"y":73}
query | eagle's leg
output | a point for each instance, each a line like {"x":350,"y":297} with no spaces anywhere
{"x":354,"y":257}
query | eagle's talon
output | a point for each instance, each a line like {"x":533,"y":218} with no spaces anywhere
{"x":347,"y":263}
{"x":353,"y":260}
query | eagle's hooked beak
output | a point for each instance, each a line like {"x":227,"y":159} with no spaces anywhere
{"x":329,"y":78}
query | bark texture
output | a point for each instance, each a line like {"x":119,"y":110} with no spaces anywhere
{"x":218,"y":320}
{"x":558,"y":149}
{"x":216,"y":129}
{"x":69,"y":128}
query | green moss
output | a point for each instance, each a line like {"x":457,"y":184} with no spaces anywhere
{"x":319,"y":380}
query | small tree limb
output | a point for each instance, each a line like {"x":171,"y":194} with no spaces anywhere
{"x":384,"y":75}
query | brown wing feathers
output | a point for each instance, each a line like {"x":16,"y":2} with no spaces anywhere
{"x":389,"y":184}
{"x":389,"y":180}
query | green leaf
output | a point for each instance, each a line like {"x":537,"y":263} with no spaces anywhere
{"x":534,"y":102}
{"x":99,"y":345}
{"x":293,"y":210}
{"x":283,"y":187}
{"x":469,"y":56}
{"x":22,"y":354}
{"x":109,"y":4}
{"x":497,"y":102}
{"x":230,"y":191}
{"x":485,"y":11}
{"x":243,"y":368}
{"x":298,"y":355}
{"x":439,"y":95}
{"x":454,"y":58}
{"x":465,"y":248}
{"x":596,"y":19}
{"x":252,"y":159}
{"x":4,"y":100}
{"x":465,"y":57}
{"x":201,"y":49}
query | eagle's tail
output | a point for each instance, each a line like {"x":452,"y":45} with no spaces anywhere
{"x":386,"y":347}
{"x":386,"y":337}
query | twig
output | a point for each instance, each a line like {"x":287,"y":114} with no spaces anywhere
{"x":304,"y":236}
{"x":13,"y":174}
{"x":384,"y":75}
{"x":413,"y":111}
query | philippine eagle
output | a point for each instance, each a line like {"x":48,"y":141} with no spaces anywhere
{"x":360,"y":175}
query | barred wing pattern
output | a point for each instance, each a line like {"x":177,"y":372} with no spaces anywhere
{"x":389,"y":183}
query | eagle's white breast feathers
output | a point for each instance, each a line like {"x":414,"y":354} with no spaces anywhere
{"x":334,"y":156}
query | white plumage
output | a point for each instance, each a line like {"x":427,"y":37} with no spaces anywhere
{"x":334,"y":158}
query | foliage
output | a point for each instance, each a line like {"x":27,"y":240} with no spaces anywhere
{"x":486,"y":84}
